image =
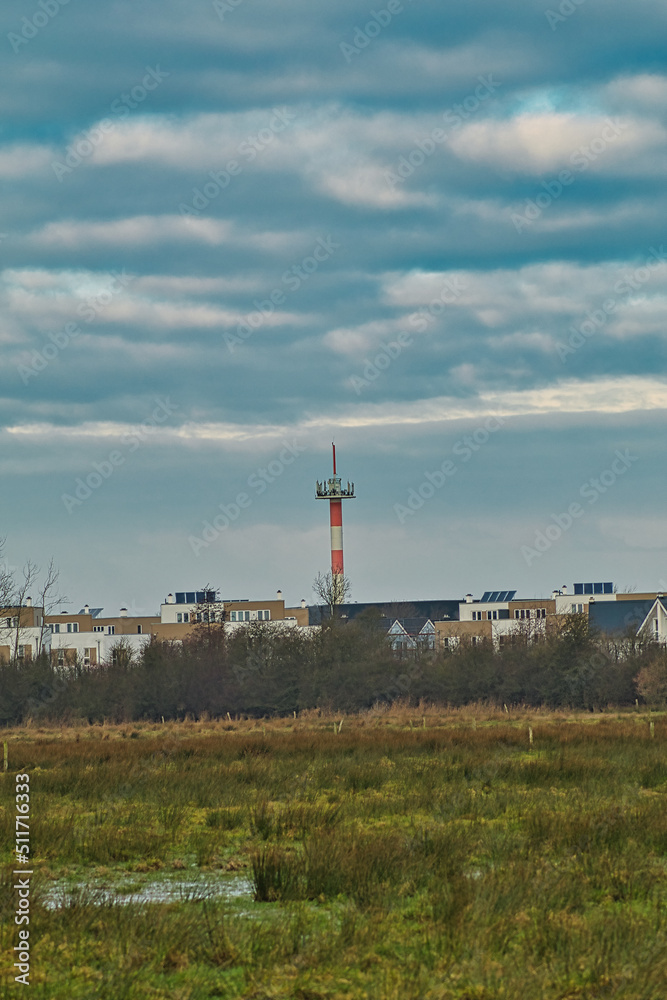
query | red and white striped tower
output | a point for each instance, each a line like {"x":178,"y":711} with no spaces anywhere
{"x":331,"y":490}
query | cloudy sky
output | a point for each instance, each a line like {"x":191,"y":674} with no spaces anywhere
{"x":233,"y":231}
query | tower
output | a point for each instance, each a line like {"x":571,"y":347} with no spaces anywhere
{"x":331,"y":490}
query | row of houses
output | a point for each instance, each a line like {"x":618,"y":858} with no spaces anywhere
{"x":90,"y":638}
{"x":499,"y":616}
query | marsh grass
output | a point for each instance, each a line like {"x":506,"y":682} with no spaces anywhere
{"x":453,"y":862}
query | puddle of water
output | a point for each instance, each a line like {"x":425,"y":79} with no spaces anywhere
{"x":100,"y":893}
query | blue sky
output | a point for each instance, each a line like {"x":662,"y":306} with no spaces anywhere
{"x":232,"y":232}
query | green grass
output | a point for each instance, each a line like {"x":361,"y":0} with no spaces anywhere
{"x":388,"y":860}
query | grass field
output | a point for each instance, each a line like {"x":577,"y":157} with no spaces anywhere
{"x":461,"y":855}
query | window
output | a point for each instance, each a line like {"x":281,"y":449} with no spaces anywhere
{"x":263,"y":616}
{"x":86,"y":657}
{"x":61,"y":657}
{"x":55,"y":628}
{"x":21,"y":651}
{"x":186,"y":617}
{"x":111,"y":630}
{"x":476,"y":640}
{"x":179,"y":618}
{"x":477,"y":616}
{"x":139,"y":629}
{"x":72,"y":626}
{"x":96,"y":628}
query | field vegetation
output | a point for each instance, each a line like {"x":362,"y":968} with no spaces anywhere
{"x":402,"y":852}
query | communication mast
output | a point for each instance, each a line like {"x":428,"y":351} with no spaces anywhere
{"x":332,"y":491}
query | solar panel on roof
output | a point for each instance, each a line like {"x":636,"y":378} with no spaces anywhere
{"x":510,"y":595}
{"x":485,"y":596}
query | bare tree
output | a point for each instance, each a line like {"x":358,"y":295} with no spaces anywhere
{"x":49,"y":600}
{"x":333,"y":589}
{"x":7,"y":588}
{"x":21,"y":593}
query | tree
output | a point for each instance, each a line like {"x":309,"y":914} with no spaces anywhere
{"x":208,"y":616}
{"x":21,"y":594}
{"x":333,"y":589}
{"x":652,"y":680}
{"x":7,"y":591}
{"x":49,"y":600}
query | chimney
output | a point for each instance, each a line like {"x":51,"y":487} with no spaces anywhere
{"x":122,"y":613}
{"x":279,"y":595}
{"x":28,"y":602}
{"x":468,"y":599}
{"x":170,"y":599}
{"x":303,"y":602}
{"x":564,"y":588}
{"x":86,"y":609}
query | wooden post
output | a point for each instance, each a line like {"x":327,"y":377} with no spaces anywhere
{"x":6,"y":755}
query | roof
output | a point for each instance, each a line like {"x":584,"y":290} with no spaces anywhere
{"x":442,"y":610}
{"x":411,"y":626}
{"x":617,"y":617}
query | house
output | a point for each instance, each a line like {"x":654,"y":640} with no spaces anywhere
{"x":91,"y":638}
{"x":23,"y":632}
{"x":410,"y":634}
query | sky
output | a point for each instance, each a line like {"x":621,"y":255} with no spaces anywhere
{"x":233,"y":232}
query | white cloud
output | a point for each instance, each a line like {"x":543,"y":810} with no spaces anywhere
{"x":23,"y":160}
{"x":569,"y":397}
{"x":136,"y":231}
{"x":552,"y":141}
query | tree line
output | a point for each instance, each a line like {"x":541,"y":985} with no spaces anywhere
{"x":258,"y":670}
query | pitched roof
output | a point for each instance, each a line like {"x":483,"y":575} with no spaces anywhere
{"x":618,"y":617}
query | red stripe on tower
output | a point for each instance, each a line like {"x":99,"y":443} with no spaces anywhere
{"x":332,"y":491}
{"x":336,"y":520}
